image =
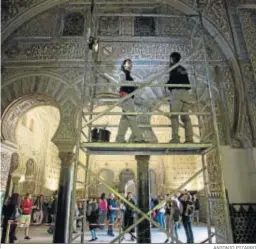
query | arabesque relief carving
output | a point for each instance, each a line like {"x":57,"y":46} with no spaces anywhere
{"x":17,"y":109}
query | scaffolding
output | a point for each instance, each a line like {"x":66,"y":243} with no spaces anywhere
{"x":85,"y":147}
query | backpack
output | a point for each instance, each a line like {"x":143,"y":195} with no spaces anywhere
{"x":16,"y":214}
{"x":190,"y":210}
{"x":95,"y":212}
{"x":176,"y":215}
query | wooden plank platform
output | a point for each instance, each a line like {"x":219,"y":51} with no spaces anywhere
{"x":146,"y":148}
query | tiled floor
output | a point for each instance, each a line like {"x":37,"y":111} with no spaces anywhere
{"x":39,"y":235}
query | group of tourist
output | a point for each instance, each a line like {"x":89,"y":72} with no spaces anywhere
{"x":21,"y":212}
{"x":169,"y":212}
{"x":176,"y":210}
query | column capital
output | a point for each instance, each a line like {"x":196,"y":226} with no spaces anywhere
{"x":65,"y":145}
{"x":67,"y":158}
{"x":142,"y":157}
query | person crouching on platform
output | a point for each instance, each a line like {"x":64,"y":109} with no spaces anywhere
{"x":127,"y":121}
{"x":180,"y":99}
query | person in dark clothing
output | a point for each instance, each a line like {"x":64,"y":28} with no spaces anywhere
{"x":187,"y":213}
{"x":127,"y":121}
{"x":11,"y":212}
{"x":92,"y":217}
{"x":180,"y":99}
{"x":129,"y":215}
{"x":39,"y":209}
{"x":197,"y":208}
{"x":54,"y":207}
{"x":53,"y":213}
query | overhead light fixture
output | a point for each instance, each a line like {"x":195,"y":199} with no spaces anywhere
{"x":93,"y":44}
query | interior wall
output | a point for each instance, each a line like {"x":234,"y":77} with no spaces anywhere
{"x":239,"y":171}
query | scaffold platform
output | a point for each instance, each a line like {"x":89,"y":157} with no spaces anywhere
{"x":101,"y":148}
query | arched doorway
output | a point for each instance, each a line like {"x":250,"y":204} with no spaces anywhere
{"x":30,"y":122}
{"x":108,"y":176}
{"x":126,"y":177}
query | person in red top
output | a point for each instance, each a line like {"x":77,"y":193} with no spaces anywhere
{"x":26,"y":209}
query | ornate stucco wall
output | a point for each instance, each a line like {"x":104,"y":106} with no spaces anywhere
{"x":38,"y":156}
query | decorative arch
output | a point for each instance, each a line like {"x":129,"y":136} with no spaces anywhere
{"x":17,"y":108}
{"x":51,"y":75}
{"x":108,"y":176}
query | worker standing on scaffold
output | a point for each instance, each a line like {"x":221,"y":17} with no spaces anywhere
{"x":180,"y":100}
{"x":127,"y":121}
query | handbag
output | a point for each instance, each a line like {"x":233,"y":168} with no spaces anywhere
{"x":16,"y":214}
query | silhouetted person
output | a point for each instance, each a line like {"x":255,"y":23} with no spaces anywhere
{"x":180,"y":99}
{"x":11,"y":212}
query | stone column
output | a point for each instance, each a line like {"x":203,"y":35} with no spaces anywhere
{"x":15,"y":182}
{"x":64,"y":195}
{"x":7,"y":148}
{"x":143,"y":201}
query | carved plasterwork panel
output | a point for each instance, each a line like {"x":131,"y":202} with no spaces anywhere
{"x":5,"y":167}
{"x":12,"y":8}
{"x":248,"y":20}
{"x":250,"y":83}
{"x":217,"y":204}
{"x":45,"y":51}
{"x":127,"y":26}
{"x":66,"y":130}
{"x":110,"y":51}
{"x":109,"y":26}
{"x":144,"y":26}
{"x":173,"y":26}
{"x":146,"y":51}
{"x":73,"y":24}
{"x":215,"y":11}
{"x":17,"y":109}
{"x":41,"y":25}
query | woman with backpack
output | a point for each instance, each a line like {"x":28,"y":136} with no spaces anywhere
{"x":92,"y":217}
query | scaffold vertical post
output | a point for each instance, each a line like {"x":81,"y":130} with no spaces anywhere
{"x":143,"y":201}
{"x":207,"y":195}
